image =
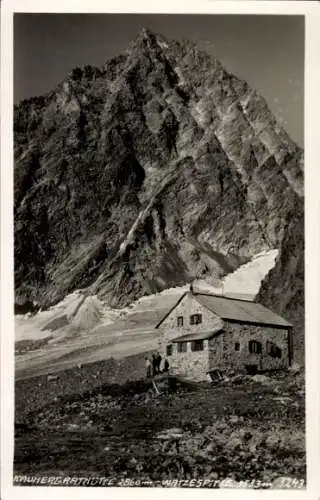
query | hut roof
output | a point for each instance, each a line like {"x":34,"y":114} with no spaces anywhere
{"x":236,"y":310}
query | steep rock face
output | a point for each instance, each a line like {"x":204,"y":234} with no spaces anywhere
{"x":283,"y":288}
{"x":152,"y":170}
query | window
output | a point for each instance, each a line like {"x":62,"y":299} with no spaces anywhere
{"x":215,"y":375}
{"x":197,"y":345}
{"x":237,"y":346}
{"x":182,"y":346}
{"x":255,"y":347}
{"x":169,"y":350}
{"x":195,"y":319}
{"x":273,"y":350}
{"x":180,"y":321}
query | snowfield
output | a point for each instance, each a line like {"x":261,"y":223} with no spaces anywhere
{"x":81,"y":329}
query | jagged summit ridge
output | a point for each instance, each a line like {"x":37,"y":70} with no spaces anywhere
{"x":141,"y":175}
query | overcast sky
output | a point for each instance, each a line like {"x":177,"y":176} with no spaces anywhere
{"x":267,"y":51}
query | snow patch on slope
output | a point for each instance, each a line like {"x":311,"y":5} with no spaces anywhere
{"x":246,"y":280}
{"x":76,"y":313}
{"x":86,"y":313}
{"x":83,"y":329}
{"x":243,"y":283}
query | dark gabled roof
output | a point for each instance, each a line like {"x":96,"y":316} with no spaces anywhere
{"x":238,"y":310}
{"x":198,"y":336}
{"x":243,"y":311}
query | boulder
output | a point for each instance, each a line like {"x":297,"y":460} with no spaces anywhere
{"x":262,"y":379}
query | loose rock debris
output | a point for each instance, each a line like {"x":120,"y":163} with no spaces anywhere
{"x":242,"y":432}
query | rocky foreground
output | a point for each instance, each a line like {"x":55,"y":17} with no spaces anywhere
{"x":241,"y":429}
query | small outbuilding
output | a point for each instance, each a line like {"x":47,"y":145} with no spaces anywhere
{"x":205,"y":334}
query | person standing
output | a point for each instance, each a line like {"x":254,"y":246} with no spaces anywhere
{"x":154,"y":365}
{"x":148,"y":367}
{"x":159,"y":359}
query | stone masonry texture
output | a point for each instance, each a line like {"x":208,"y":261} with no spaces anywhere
{"x":219,"y":351}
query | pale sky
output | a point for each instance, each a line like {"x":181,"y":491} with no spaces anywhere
{"x":266,"y":51}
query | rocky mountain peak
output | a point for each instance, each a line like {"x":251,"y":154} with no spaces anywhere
{"x":146,"y":43}
{"x":152,"y":170}
{"x":146,"y":36}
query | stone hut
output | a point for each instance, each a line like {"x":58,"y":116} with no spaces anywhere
{"x":203,"y":335}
